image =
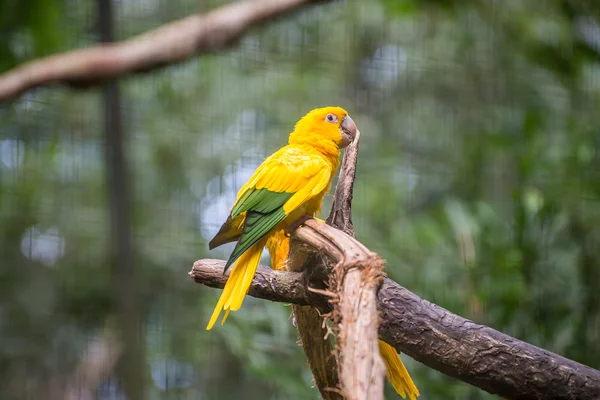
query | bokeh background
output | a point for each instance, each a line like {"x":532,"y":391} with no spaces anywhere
{"x":478,"y":181}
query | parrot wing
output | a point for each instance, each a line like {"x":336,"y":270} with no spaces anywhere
{"x":280,"y":185}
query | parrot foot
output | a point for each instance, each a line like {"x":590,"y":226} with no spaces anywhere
{"x":297,"y":224}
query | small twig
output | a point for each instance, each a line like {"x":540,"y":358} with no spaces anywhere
{"x":326,"y":293}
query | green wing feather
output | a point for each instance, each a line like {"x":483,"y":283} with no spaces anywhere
{"x":263,"y":201}
{"x":264,"y":210}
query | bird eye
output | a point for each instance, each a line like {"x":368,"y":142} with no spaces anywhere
{"x":331,"y":118}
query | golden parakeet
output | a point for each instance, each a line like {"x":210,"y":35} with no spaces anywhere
{"x":287,"y":186}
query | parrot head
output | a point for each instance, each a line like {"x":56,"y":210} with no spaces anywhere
{"x":325,"y":124}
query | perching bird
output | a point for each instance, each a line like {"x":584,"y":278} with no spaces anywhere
{"x":279,"y":248}
{"x":288,"y":186}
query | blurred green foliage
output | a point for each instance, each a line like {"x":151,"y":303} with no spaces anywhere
{"x":478,"y":181}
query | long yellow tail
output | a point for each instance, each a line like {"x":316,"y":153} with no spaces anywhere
{"x":396,"y":372}
{"x":240,"y":278}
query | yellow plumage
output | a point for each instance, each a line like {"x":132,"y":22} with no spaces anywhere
{"x":279,"y":248}
{"x":288,"y":185}
{"x":396,"y":372}
{"x":238,"y":282}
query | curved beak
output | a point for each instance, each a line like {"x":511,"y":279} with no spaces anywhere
{"x":348,"y":128}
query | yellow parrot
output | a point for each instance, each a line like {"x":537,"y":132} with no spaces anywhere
{"x":288,"y":186}
{"x":279,"y":248}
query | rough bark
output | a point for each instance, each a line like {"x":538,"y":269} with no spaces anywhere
{"x":169,"y":44}
{"x":340,"y":216}
{"x":463,"y":349}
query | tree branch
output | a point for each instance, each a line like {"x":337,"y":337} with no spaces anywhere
{"x":356,"y":281}
{"x":168,"y":44}
{"x":473,"y":353}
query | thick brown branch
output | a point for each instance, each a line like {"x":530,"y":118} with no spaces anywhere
{"x":168,"y":44}
{"x":460,"y":348}
{"x":318,"y":350}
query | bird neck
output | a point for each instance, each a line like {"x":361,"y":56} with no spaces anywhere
{"x":328,"y":149}
{"x":324,"y":147}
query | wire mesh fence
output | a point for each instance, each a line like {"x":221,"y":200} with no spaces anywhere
{"x":477,"y":182}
